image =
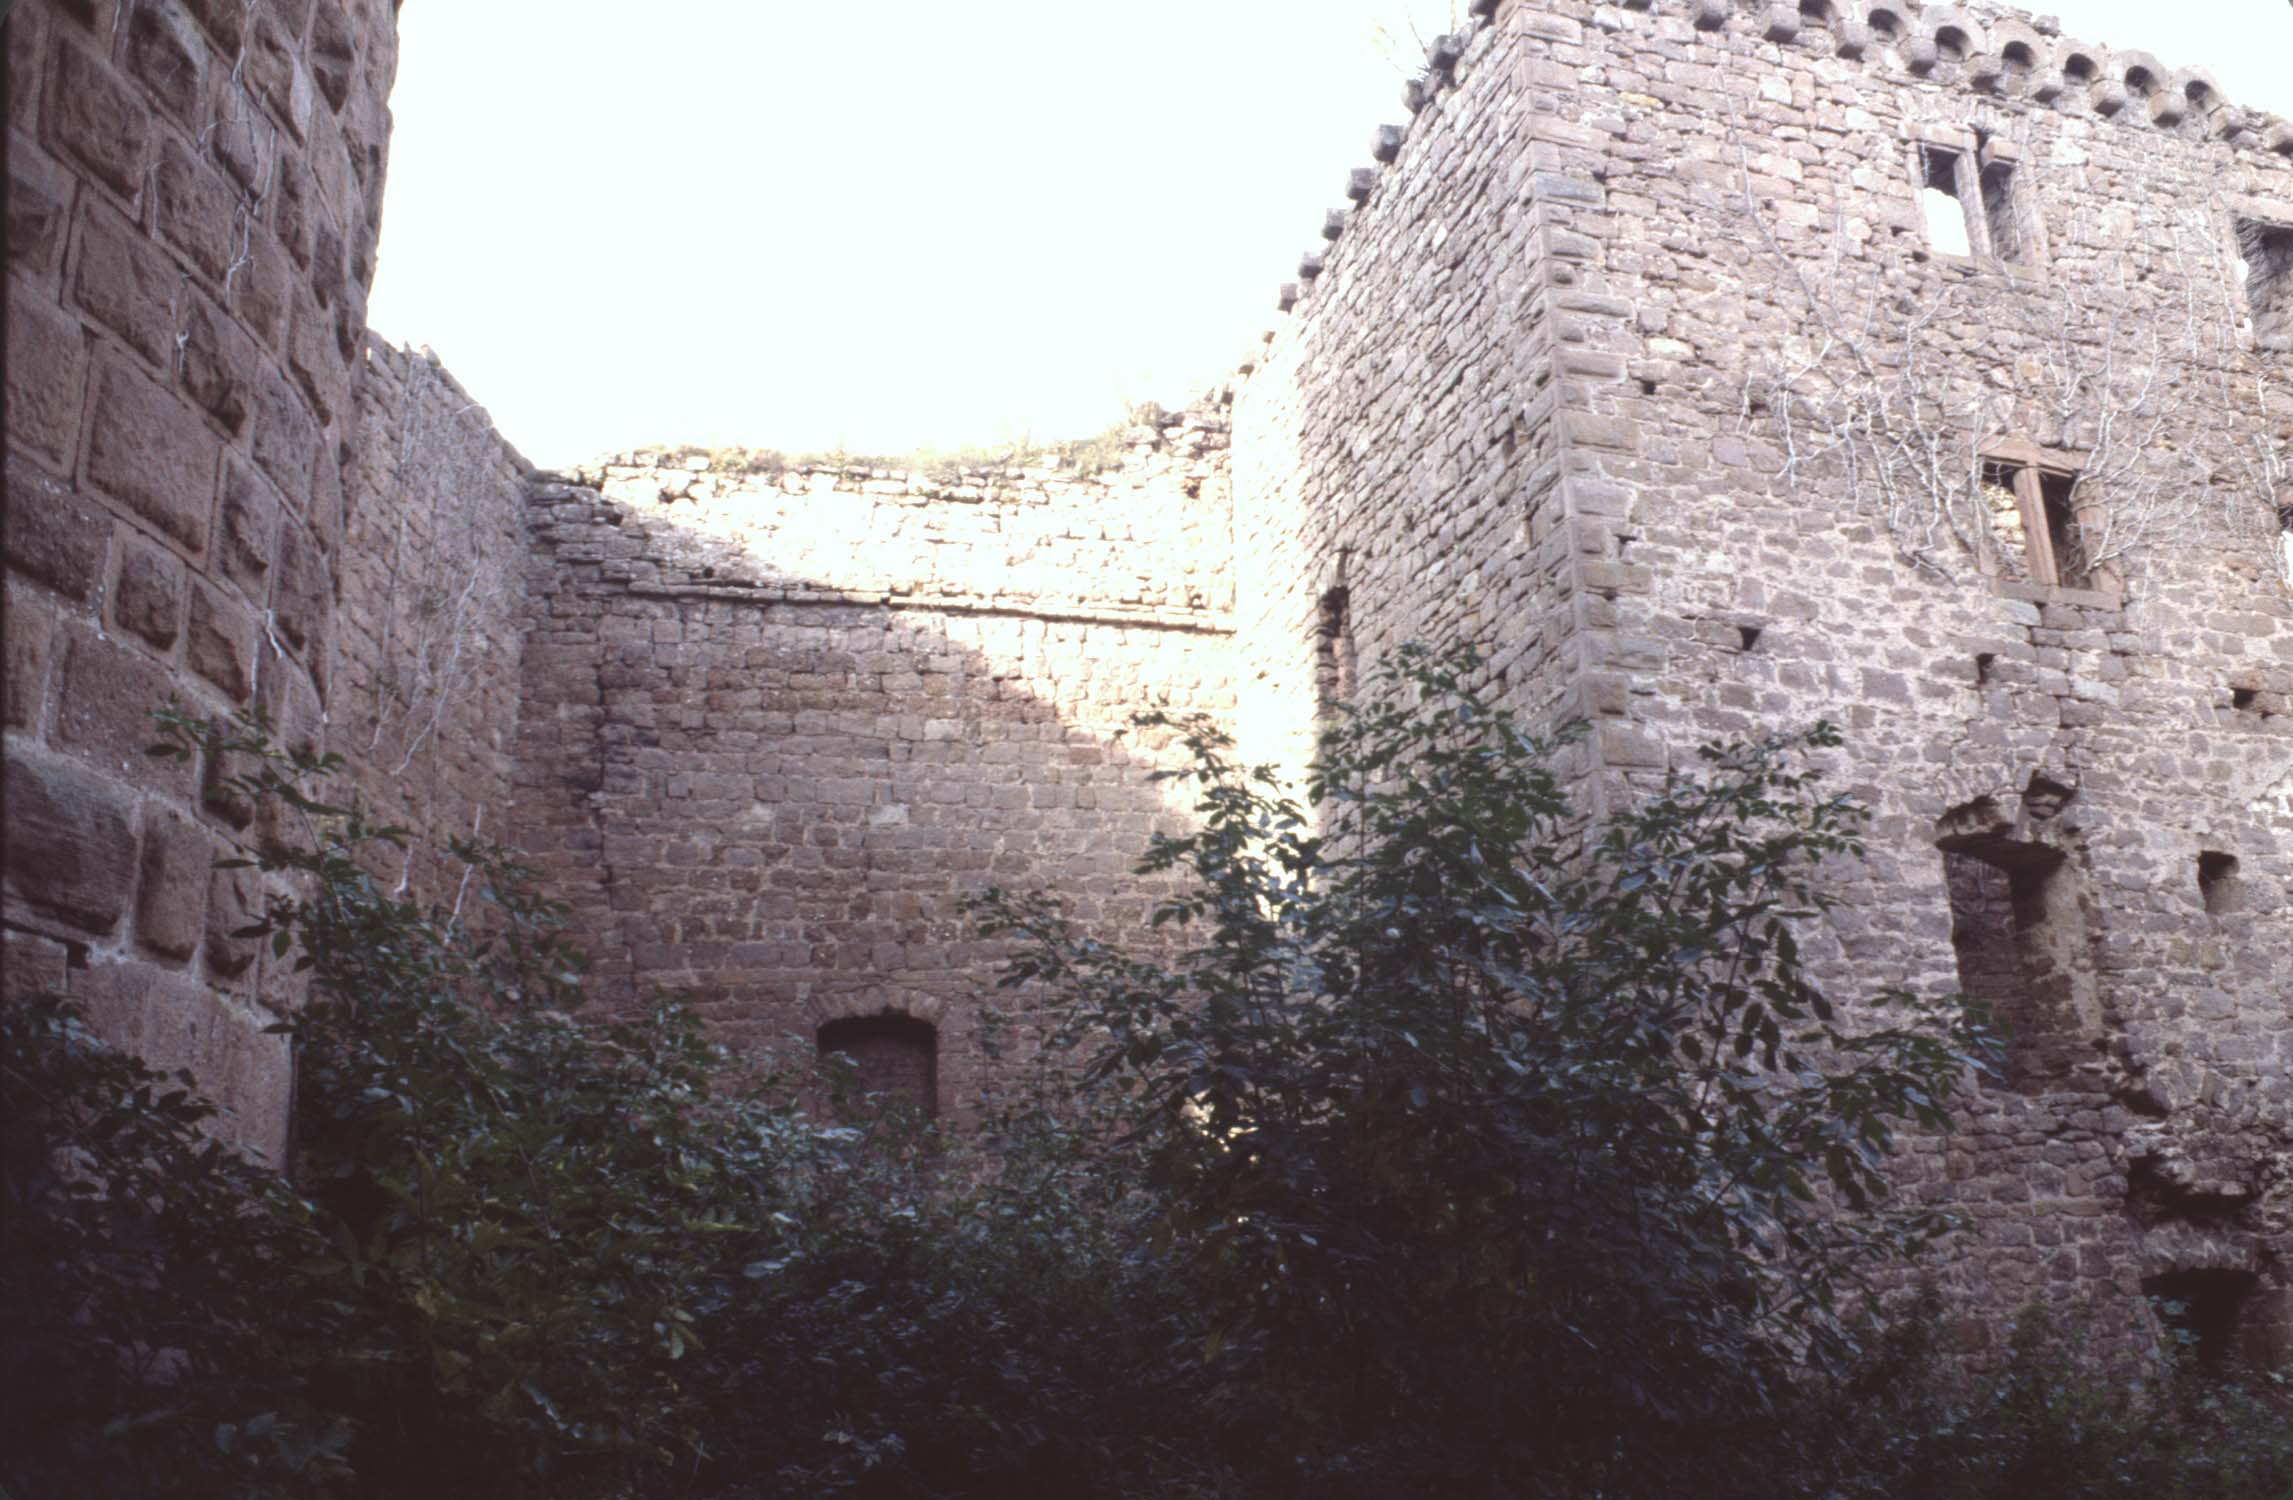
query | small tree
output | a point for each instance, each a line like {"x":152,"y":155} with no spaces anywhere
{"x":1511,"y":1156}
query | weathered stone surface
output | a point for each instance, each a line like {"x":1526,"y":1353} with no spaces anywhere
{"x":147,"y":597}
{"x":46,"y":381}
{"x":166,"y":55}
{"x":54,"y":537}
{"x":194,"y":209}
{"x":247,"y":526}
{"x":88,"y":116}
{"x":69,"y":843}
{"x":39,"y":206}
{"x":220,"y":645}
{"x":124,"y":282}
{"x":25,"y":645}
{"x":171,"y":896}
{"x":106,"y":695}
{"x":221,"y":365}
{"x":152,"y":452}
{"x":234,"y":902}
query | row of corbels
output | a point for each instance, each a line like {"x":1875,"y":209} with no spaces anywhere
{"x":1442,"y":56}
{"x":2005,"y":56}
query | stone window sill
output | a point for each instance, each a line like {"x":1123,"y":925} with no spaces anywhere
{"x":2041,"y":593}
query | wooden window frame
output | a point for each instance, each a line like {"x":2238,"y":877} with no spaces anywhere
{"x":2030,"y":464}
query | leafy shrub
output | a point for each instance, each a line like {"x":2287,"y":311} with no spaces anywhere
{"x":1500,"y":1147}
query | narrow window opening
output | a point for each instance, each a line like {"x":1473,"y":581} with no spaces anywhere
{"x":2036,"y":523}
{"x":2204,"y":1312}
{"x":2019,"y":938}
{"x":2007,"y":240}
{"x":1334,"y":650}
{"x":2008,"y":524}
{"x":1647,"y":387}
{"x":2265,"y":265}
{"x":2072,"y":565}
{"x":1984,"y":662}
{"x":887,"y":1055}
{"x":1750,"y":635}
{"x":2245,"y":699}
{"x":1948,"y":230}
{"x":2217,"y":881}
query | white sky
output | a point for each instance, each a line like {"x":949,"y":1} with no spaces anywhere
{"x":801,"y":224}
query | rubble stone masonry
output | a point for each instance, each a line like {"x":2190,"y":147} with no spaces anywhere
{"x":1648,"y":364}
{"x":1717,"y":366}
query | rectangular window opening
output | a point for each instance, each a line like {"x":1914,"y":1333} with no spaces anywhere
{"x":2007,"y":240}
{"x":1949,"y":230}
{"x":2018,"y":936}
{"x":2067,"y":539}
{"x":2217,"y":881}
{"x":2042,"y":536}
{"x":2265,"y":265}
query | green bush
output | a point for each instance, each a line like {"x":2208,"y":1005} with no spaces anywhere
{"x":1511,"y":1157}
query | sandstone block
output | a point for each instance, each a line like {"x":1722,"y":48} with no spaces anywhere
{"x":54,"y":535}
{"x":247,"y":527}
{"x":193,"y":209}
{"x":31,"y":964}
{"x":23,"y":48}
{"x":286,"y":439}
{"x":171,"y":896}
{"x":221,"y":365}
{"x":46,"y":379}
{"x":87,"y":115}
{"x":147,"y":597}
{"x":105,"y":697}
{"x":304,"y":590}
{"x":270,"y":73}
{"x":166,"y":55}
{"x":224,"y":20}
{"x":154,"y":453}
{"x":221,"y":642}
{"x":234,"y":901}
{"x":263,"y":290}
{"x":333,"y":53}
{"x":30,"y":627}
{"x":39,"y":205}
{"x":315,"y":359}
{"x":121,"y":281}
{"x":69,"y":842}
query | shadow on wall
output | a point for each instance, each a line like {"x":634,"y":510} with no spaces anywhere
{"x":769,"y":789}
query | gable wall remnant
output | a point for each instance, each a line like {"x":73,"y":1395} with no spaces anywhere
{"x":777,"y":722}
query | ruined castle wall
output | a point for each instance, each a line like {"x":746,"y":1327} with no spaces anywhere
{"x":429,"y":629}
{"x":776,"y":722}
{"x":1777,"y":381}
{"x":194,"y":191}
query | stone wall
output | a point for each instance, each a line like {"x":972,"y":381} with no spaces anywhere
{"x":776,"y":722}
{"x":423,"y":702}
{"x":193,"y":196}
{"x":1786,"y":411}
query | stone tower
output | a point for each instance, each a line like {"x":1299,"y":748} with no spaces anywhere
{"x":1723,"y":367}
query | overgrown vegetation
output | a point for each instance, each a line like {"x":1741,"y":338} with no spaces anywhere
{"x":1454,"y":1150}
